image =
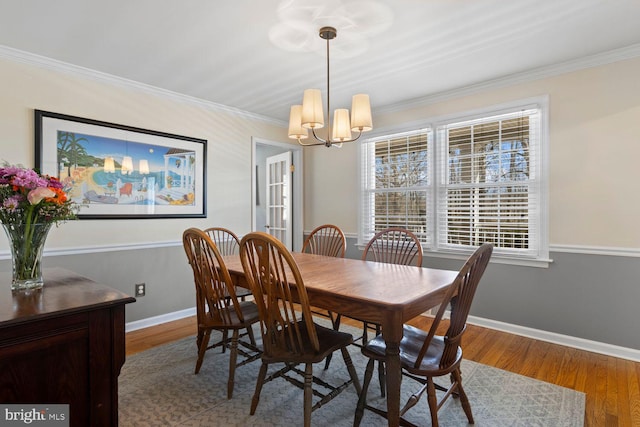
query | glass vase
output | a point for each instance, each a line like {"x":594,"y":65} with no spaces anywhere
{"x":27,"y":241}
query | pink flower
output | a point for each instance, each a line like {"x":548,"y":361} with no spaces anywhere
{"x":29,"y":179}
{"x":35,"y":196}
{"x":12,"y":203}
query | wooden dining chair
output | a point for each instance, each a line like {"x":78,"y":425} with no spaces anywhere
{"x":217,"y":306}
{"x":425,"y":355}
{"x":392,"y":245}
{"x":289,"y":334}
{"x":327,"y":240}
{"x":227,"y":243}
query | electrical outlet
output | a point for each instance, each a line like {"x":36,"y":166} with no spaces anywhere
{"x":140,"y":289}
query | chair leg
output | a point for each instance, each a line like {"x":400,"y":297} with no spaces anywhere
{"x":351,"y":369}
{"x":233,"y":356}
{"x":225,"y":339}
{"x":365,"y":335}
{"x":433,"y":401}
{"x":335,"y":322}
{"x":382,"y":379}
{"x":199,"y":338}
{"x":308,"y":393}
{"x":327,"y":361}
{"x":202,"y":349}
{"x":259,"y":383}
{"x":252,"y":339}
{"x":464,"y":400}
{"x":362,"y":399}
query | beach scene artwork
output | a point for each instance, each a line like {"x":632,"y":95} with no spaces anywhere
{"x":100,"y":170}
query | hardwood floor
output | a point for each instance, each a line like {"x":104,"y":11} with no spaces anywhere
{"x":612,"y":385}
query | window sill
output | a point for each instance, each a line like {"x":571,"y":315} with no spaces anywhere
{"x":496,"y":259}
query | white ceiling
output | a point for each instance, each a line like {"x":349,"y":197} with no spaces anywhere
{"x":220,"y":51}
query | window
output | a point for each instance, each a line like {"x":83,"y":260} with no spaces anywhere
{"x":460,"y":183}
{"x":396,"y":184}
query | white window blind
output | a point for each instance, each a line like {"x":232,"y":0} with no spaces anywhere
{"x":395,"y":184}
{"x":488,"y":187}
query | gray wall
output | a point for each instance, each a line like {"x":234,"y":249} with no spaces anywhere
{"x":165,"y":271}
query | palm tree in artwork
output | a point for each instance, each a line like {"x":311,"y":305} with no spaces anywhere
{"x":69,"y":147}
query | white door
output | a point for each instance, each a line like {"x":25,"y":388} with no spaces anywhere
{"x":278,"y":199}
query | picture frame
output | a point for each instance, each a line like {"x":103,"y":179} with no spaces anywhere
{"x":122,"y":172}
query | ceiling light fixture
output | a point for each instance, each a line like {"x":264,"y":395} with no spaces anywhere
{"x":309,"y":115}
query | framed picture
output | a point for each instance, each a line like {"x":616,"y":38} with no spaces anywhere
{"x":120,"y":171}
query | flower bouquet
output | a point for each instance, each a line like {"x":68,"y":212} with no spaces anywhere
{"x":29,"y":204}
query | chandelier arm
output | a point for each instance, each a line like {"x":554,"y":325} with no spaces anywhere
{"x":304,"y":144}
{"x":323,"y":141}
{"x":348,"y":140}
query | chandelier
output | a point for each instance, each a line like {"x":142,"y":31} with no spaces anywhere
{"x":310,"y":114}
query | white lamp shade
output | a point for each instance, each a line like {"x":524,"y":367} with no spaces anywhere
{"x":312,"y":116}
{"x":296,"y":131}
{"x":127,"y":165}
{"x":341,"y":128}
{"x":361,"y":113}
{"x":109,"y":165}
{"x":144,"y":166}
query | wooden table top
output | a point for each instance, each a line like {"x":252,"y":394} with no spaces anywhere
{"x":378,"y":286}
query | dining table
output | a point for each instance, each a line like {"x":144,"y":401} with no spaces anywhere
{"x":375,"y":292}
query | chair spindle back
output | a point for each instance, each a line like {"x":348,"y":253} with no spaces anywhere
{"x":279,"y":292}
{"x":328,"y":240}
{"x":226,"y":240}
{"x":215,"y":300}
{"x":394,"y":246}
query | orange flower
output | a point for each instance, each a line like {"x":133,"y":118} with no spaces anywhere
{"x":60,"y":196}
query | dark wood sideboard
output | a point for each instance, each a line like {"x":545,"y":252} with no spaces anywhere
{"x":63,"y":343}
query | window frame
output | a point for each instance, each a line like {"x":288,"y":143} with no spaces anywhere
{"x":367,"y":195}
{"x":437,"y":154}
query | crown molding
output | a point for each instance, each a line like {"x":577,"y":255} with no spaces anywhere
{"x":43,"y":62}
{"x":609,"y":57}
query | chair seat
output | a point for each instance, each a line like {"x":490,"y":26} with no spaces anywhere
{"x":412,"y":341}
{"x":328,"y":339}
{"x":240,"y":292}
{"x":249,"y":312}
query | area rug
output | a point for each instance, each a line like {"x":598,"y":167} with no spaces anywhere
{"x":158,"y":388}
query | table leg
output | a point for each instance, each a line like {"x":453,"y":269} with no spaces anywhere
{"x":393,"y":383}
{"x":392,"y":333}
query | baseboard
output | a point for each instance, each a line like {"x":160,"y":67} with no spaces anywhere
{"x":157,"y":320}
{"x":552,"y":337}
{"x":565,"y":340}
